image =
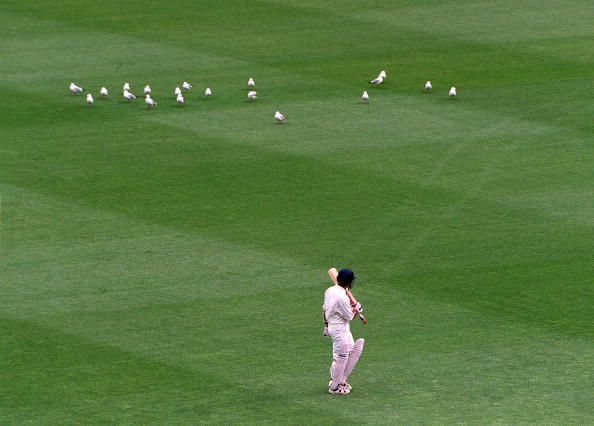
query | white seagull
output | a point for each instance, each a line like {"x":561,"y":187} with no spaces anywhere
{"x":251,"y":83}
{"x":149,"y":101}
{"x":75,"y":89}
{"x":90,"y":99}
{"x":365,"y":96}
{"x":147,"y":90}
{"x":452,"y":93}
{"x":128,"y":95}
{"x":186,"y":85}
{"x":104,"y":92}
{"x":126,"y":87}
{"x":208,"y":92}
{"x":252,"y":95}
{"x":180,"y":99}
{"x":379,"y":79}
{"x":279,"y":117}
{"x":428,"y":86}
{"x":177,"y":92}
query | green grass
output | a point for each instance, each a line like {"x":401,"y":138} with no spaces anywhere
{"x":168,"y":266}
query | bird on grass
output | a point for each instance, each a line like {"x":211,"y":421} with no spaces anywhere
{"x":151,"y":103}
{"x":75,"y":89}
{"x":104,"y":92}
{"x":252,"y":95}
{"x":452,"y":93}
{"x":129,"y":95}
{"x":186,"y":85}
{"x":279,"y":117}
{"x":126,"y":87}
{"x":180,"y":99}
{"x":208,"y":92}
{"x":365,"y":96}
{"x":428,"y":86}
{"x":251,"y":83}
{"x":379,"y":79}
{"x":177,"y":92}
{"x":147,"y":90}
{"x":90,"y":99}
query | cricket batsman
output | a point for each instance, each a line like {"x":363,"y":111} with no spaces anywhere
{"x":338,"y":310}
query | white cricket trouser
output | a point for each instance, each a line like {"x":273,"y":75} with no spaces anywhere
{"x":340,"y":337}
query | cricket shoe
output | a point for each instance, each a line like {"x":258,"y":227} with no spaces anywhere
{"x":345,"y":384}
{"x":340,"y":390}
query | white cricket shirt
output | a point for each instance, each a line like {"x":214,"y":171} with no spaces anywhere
{"x":337,"y":308}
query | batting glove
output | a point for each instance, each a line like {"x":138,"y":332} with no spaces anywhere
{"x":357,"y":308}
{"x":325,"y":333}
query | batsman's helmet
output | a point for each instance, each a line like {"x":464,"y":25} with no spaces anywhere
{"x":345,"y":278}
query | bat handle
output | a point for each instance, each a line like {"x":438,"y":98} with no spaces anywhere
{"x":354,"y":302}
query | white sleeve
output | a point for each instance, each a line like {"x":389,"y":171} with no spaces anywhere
{"x":344,"y":308}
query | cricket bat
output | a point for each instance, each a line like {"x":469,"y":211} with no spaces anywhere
{"x":333,"y":273}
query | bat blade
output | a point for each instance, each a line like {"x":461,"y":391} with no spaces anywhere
{"x":333,"y":273}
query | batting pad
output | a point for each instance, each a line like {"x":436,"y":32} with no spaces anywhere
{"x":353,"y":358}
{"x":340,"y":366}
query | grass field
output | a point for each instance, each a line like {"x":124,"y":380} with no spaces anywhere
{"x":168,"y":265}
